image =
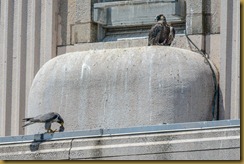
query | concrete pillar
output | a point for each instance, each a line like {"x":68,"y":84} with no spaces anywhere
{"x":230,"y":60}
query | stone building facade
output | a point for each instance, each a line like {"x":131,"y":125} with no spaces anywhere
{"x":34,"y":32}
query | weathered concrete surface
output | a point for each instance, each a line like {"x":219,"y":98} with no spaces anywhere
{"x":118,"y":88}
{"x":204,"y":145}
{"x":50,"y":150}
{"x":216,"y":143}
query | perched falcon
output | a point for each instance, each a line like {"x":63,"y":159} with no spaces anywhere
{"x":161,"y":33}
{"x":48,"y":119}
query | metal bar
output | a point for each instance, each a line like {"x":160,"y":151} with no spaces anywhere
{"x":122,"y":131}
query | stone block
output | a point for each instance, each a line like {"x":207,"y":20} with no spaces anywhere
{"x":212,"y":16}
{"x":203,"y":16}
{"x":84,"y":10}
{"x":194,"y":6}
{"x":194,"y":24}
{"x":84,"y":33}
{"x":211,"y":6}
{"x":212,"y":24}
{"x":67,"y":17}
{"x":72,"y":14}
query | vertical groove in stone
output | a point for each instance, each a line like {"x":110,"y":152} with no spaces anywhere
{"x":2,"y":71}
{"x":37,"y":34}
{"x":22,"y":98}
{"x":43,"y":32}
{"x":29,"y":51}
{"x":15,"y":67}
{"x":10,"y":40}
{"x":22,"y":27}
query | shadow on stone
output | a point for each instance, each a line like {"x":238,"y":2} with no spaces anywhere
{"x":38,"y":139}
{"x":34,"y":146}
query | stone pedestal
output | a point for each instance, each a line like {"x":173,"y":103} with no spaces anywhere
{"x":124,"y":87}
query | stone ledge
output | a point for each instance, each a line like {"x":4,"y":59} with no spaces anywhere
{"x":185,"y":141}
{"x":180,"y":41}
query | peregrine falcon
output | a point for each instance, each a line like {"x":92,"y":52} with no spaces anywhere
{"x":162,"y":33}
{"x":48,"y":119}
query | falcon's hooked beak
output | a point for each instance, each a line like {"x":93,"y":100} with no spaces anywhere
{"x":62,"y":123}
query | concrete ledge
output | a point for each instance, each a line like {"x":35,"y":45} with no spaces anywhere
{"x":119,"y":41}
{"x":213,"y":140}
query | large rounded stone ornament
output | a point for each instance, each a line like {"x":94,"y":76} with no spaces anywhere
{"x":117,"y":88}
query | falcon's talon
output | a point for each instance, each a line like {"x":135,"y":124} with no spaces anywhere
{"x":53,"y":131}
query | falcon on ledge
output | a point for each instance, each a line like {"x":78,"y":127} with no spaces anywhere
{"x":161,"y":33}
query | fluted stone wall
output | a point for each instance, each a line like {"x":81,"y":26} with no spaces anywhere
{"x":28,"y":40}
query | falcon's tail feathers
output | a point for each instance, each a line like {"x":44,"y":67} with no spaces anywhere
{"x":28,"y":119}
{"x":28,"y":124}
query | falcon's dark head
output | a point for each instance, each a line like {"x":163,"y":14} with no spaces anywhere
{"x":160,"y":17}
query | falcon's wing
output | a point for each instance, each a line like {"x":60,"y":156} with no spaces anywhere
{"x":154,"y":34}
{"x":171,"y":35}
{"x":46,"y":117}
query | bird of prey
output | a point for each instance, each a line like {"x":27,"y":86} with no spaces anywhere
{"x":161,"y":33}
{"x":48,"y":119}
